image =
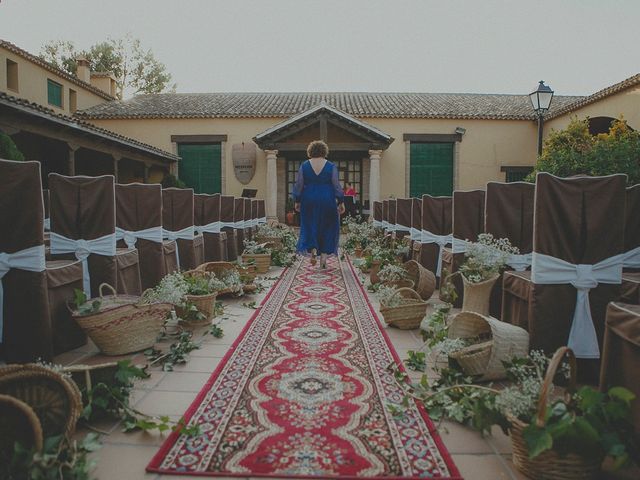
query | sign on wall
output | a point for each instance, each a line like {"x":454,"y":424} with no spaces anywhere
{"x":243,"y":156}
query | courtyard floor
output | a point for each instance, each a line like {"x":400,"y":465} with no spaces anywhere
{"x":125,"y":455}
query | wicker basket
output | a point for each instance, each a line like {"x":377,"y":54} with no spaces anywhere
{"x":262,"y":261}
{"x":409,"y":314}
{"x":485,"y":359}
{"x":18,"y":423}
{"x":54,"y":398}
{"x":404,"y":283}
{"x":219,"y":269}
{"x":477,"y":296}
{"x":274,"y":242}
{"x":373,"y":272}
{"x":205,"y":304}
{"x":549,"y":465}
{"x":124,"y":323}
{"x":424,"y":281}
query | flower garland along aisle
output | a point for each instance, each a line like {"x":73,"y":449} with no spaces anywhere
{"x":556,"y":432}
{"x":273,"y":245}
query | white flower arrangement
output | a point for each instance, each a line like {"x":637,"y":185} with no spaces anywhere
{"x":255,"y":248}
{"x":392,"y":273}
{"x":486,"y":258}
{"x":172,"y":289}
{"x":387,"y":296}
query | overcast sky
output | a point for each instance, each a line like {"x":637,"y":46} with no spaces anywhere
{"x":483,"y":46}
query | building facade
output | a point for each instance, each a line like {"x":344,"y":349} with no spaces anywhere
{"x":401,"y":144}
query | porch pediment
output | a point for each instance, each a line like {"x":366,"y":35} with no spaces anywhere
{"x":339,"y":129}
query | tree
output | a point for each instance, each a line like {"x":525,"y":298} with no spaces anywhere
{"x":574,"y":151}
{"x":135,"y":68}
{"x":8,"y":149}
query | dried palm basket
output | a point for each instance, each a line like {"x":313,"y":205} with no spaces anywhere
{"x":498,"y":342}
{"x":373,"y":272}
{"x":262,"y":261}
{"x":205,"y":304}
{"x":54,"y":398}
{"x":549,"y":465}
{"x":219,"y":269}
{"x":274,"y":242}
{"x":123,"y":323}
{"x":424,"y":281}
{"x":402,"y":283}
{"x":477,"y":296}
{"x":416,"y":251}
{"x":408,"y":314}
{"x":18,"y":423}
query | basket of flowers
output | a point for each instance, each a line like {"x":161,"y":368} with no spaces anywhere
{"x":401,"y":308}
{"x":395,"y":276}
{"x":258,"y":254}
{"x":424,"y":281}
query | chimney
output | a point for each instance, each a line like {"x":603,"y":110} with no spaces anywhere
{"x":83,"y":69}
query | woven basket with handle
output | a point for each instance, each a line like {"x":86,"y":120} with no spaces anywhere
{"x":549,"y":465}
{"x":18,"y":423}
{"x":123,"y":323}
{"x":409,"y":314}
{"x":205,"y":304}
{"x":424,"y":281}
{"x":220,"y":268}
{"x":477,"y":296}
{"x":262,"y":261}
{"x":498,"y":342}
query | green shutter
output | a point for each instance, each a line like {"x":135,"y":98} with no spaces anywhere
{"x":54,"y":93}
{"x":200,"y":167}
{"x":431,"y":169}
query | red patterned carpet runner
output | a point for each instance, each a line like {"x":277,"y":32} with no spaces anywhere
{"x":303,"y":393}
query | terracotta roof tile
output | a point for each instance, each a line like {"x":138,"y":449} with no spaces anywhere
{"x":372,"y":105}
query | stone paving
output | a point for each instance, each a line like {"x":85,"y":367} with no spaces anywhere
{"x":124,"y":456}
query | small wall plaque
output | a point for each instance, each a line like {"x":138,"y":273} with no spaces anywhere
{"x":243,"y":156}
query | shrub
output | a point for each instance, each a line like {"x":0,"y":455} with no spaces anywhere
{"x":574,"y":151}
{"x":8,"y":149}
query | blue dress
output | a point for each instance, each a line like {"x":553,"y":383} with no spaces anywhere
{"x":319,"y":196}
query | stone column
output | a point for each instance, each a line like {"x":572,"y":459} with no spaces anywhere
{"x":374,"y":177}
{"x":271,"y":196}
{"x":71,"y":159}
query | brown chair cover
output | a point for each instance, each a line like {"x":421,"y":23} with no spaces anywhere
{"x":377,"y":213}
{"x":632,"y":229}
{"x":630,"y":288}
{"x":403,"y":217}
{"x":207,"y":215}
{"x":436,"y":218}
{"x":467,"y":223}
{"x":170,"y":256}
{"x":509,"y":214}
{"x":177,"y":214}
{"x":227,"y":215}
{"x":254,"y":215}
{"x":579,"y":220}
{"x":385,"y":214}
{"x":64,"y":277}
{"x":393,"y":205}
{"x":47,"y":220}
{"x":248,"y":230}
{"x":139,"y":207}
{"x":621,"y":353}
{"x":416,"y":227}
{"x":262,"y":212}
{"x":25,"y":308}
{"x":238,"y":218}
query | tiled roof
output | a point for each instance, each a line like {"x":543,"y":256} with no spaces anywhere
{"x":599,"y":95}
{"x":82,"y":126}
{"x":58,"y":71}
{"x":372,"y":105}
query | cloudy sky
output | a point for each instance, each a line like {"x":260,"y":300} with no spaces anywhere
{"x":488,"y":46}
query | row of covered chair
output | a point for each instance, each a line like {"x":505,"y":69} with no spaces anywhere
{"x":575,"y":236}
{"x":128,"y":236}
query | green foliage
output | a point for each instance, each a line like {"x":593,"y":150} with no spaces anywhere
{"x":177,"y":354}
{"x":216,"y":331}
{"x":417,"y":361}
{"x":574,"y":151}
{"x":171,"y":181}
{"x":82,"y":304}
{"x":8,"y":148}
{"x":436,"y":326}
{"x":135,"y":68}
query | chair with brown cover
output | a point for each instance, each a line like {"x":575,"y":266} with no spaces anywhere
{"x":247,"y":215}
{"x":578,"y":236}
{"x":254,"y":214}
{"x":25,"y":325}
{"x":227,"y":224}
{"x":238,"y":218}
{"x":45,"y":201}
{"x":630,"y":290}
{"x":139,"y":225}
{"x":393,"y":226}
{"x":385,"y":214}
{"x":403,"y":217}
{"x":376,"y":215}
{"x":509,"y":214}
{"x":467,"y":223}
{"x":207,"y":220}
{"x":262,"y":212}
{"x":621,"y":353}
{"x":435,"y":232}
{"x":178,"y":225}
{"x":83,"y":222}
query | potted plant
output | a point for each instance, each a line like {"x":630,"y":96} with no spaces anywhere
{"x":483,"y":263}
{"x":394,"y":275}
{"x":259,"y":253}
{"x":401,"y":307}
{"x":377,"y":254}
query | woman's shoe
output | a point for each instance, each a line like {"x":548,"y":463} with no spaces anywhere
{"x":323,"y":261}
{"x":313,"y":257}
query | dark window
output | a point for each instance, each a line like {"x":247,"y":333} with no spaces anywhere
{"x":54,"y":93}
{"x":200,"y":167}
{"x":12,"y":75}
{"x":431,"y":169}
{"x":73,"y":101}
{"x":516,"y":173}
{"x":349,"y":170}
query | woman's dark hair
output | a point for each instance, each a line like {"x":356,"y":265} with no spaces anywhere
{"x":317,"y":149}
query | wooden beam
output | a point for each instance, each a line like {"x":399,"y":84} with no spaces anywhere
{"x":198,"y":138}
{"x":432,"y":137}
{"x":348,"y":147}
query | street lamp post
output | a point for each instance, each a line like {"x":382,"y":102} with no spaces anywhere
{"x":541,"y":101}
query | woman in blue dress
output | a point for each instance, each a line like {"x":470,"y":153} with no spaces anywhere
{"x":319,"y":198}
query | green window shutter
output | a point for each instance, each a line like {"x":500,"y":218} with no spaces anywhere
{"x":431,"y":169}
{"x":200,"y":167}
{"x":54,"y":93}
{"x":517,"y":175}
